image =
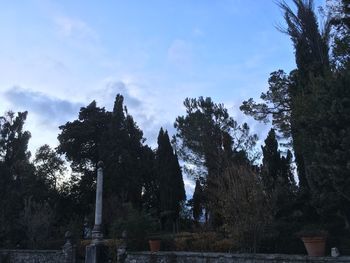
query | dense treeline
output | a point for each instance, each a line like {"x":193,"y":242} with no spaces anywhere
{"x":36,"y":194}
{"x":255,"y":199}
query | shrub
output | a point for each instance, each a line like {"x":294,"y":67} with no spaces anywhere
{"x":204,"y":241}
{"x":37,"y":219}
{"x":138,"y":225}
{"x":225,"y":245}
{"x":243,"y":205}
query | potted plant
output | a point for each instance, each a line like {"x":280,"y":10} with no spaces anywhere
{"x":314,"y":238}
{"x":154,"y":243}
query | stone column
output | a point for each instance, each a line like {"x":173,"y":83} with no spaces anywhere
{"x":97,"y":252}
{"x":97,"y":235}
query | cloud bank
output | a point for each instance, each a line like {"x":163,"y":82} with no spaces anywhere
{"x":50,"y":111}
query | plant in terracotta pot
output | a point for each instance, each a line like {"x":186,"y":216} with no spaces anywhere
{"x":314,"y":238}
{"x":154,"y":243}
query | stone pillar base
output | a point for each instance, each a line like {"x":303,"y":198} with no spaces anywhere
{"x":97,"y":235}
{"x":96,"y":253}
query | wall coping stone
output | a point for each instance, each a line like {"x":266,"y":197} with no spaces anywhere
{"x":294,"y":258}
{"x":31,"y":250}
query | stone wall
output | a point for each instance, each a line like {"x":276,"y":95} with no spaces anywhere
{"x":66,"y":255}
{"x":191,"y":257}
{"x":32,"y":256}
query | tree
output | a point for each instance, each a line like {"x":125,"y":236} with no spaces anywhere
{"x":206,"y":132}
{"x":317,"y":108}
{"x":150,"y":193}
{"x":80,"y":142}
{"x":171,"y":185}
{"x":17,"y":177}
{"x":244,"y":206}
{"x":121,"y":151}
{"x":197,"y":202}
{"x":207,"y":140}
{"x":114,"y":138}
{"x":49,"y":165}
{"x":81,"y":139}
{"x":334,"y":112}
{"x":339,"y":13}
{"x":37,"y":220}
{"x":277,"y":104}
{"x":277,"y":177}
{"x":289,"y":98}
{"x":322,"y":113}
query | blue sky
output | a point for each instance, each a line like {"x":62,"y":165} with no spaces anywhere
{"x":56,"y":56}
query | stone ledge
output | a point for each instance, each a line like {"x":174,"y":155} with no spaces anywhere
{"x":135,"y":257}
{"x":32,"y":256}
{"x":29,"y":251}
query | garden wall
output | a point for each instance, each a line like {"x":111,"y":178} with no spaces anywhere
{"x":191,"y":257}
{"x":35,"y":256}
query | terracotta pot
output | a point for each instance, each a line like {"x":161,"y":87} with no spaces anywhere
{"x":154,"y":245}
{"x":315,"y":246}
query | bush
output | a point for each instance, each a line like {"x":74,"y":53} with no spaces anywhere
{"x":243,"y":205}
{"x":204,"y":242}
{"x":37,"y":219}
{"x":138,"y":226}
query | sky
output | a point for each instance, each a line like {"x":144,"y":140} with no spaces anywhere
{"x":57,"y":56}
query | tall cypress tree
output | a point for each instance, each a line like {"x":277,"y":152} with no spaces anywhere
{"x":271,"y":161}
{"x":171,"y":185}
{"x":122,"y":153}
{"x":197,"y":202}
{"x":277,"y":176}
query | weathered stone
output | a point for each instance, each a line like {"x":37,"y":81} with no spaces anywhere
{"x":97,"y":234}
{"x":96,"y":253}
{"x":193,"y":257}
{"x":32,"y":256}
{"x":68,"y":248}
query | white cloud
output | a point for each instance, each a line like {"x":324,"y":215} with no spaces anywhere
{"x":74,"y":28}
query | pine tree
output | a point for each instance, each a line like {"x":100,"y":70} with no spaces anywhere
{"x":209,"y":139}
